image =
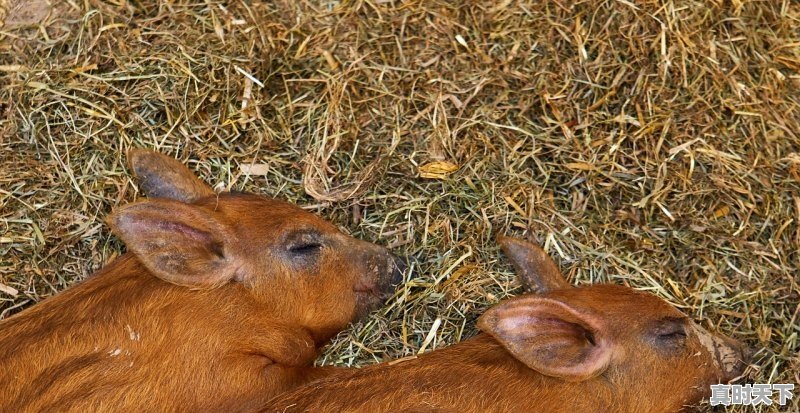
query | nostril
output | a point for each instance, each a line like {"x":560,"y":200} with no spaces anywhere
{"x":401,"y":264}
{"x":747,"y":353}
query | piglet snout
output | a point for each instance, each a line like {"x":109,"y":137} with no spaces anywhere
{"x":734,"y":356}
{"x":730,"y":356}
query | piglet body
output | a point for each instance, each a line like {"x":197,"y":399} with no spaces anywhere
{"x":220,"y":297}
{"x":600,"y":348}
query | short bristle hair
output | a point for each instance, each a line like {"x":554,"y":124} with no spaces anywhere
{"x":648,"y":143}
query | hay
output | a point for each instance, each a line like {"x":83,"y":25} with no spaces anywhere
{"x":649,"y":143}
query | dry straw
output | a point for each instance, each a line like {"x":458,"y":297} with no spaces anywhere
{"x":648,"y":143}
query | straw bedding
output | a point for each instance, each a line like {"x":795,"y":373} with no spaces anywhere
{"x":650,"y":143}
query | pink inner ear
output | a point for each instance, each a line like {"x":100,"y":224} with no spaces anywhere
{"x":550,"y":337}
{"x":178,"y":243}
{"x":550,"y":326}
{"x":193,"y":234}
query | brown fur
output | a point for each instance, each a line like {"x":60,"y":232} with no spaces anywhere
{"x":482,"y":375}
{"x":125,"y":339}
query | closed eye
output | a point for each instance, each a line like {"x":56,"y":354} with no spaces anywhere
{"x":307,"y":248}
{"x":669,"y":334}
{"x":673,"y":335}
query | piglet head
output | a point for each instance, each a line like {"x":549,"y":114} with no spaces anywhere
{"x":298,"y":267}
{"x":651,"y":353}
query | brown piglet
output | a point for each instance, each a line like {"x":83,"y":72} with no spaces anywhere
{"x":598,"y":348}
{"x":220,"y":297}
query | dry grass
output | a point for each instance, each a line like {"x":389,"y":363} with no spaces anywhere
{"x":651,"y":143}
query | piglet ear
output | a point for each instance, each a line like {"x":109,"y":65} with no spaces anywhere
{"x":538,"y":271}
{"x":549,"y":336}
{"x":163,"y":177}
{"x":179,"y":243}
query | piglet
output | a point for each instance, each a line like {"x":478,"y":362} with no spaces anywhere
{"x":598,"y":348}
{"x":220,"y":297}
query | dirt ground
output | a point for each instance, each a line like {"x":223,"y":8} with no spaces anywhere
{"x":652,"y":143}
